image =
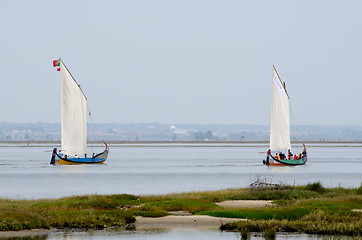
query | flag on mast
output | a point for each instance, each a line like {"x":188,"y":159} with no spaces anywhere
{"x":56,"y":63}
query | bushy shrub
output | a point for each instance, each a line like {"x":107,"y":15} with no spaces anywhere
{"x":315,"y":187}
{"x":359,"y":190}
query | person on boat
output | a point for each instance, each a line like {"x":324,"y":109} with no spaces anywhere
{"x":295,"y":157}
{"x":277,"y":156}
{"x":290,"y":155}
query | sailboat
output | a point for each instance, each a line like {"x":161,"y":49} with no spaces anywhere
{"x":279,"y":129}
{"x":73,"y":123}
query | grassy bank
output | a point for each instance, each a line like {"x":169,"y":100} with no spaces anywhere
{"x":83,"y":212}
{"x":317,"y":216}
{"x":335,"y":211}
{"x":308,"y":209}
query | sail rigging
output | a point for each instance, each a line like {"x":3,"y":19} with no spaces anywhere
{"x":73,"y":115}
{"x":279,"y":115}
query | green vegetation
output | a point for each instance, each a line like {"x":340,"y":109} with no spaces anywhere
{"x":359,"y":190}
{"x":189,"y":205}
{"x":94,"y":211}
{"x":329,"y":211}
{"x":17,"y":219}
{"x":309,"y":209}
{"x":259,"y":214}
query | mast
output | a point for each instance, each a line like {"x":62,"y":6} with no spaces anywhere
{"x":280,"y":80}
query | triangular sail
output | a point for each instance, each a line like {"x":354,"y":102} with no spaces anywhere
{"x":279,"y":115}
{"x":73,"y":115}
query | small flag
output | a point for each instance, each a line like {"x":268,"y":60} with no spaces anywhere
{"x":56,"y":63}
{"x":90,"y":113}
{"x":58,"y":69}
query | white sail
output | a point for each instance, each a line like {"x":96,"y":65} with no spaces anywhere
{"x":279,"y":116}
{"x":73,"y":115}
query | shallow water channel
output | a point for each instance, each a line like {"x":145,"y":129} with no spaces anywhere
{"x":176,"y":234}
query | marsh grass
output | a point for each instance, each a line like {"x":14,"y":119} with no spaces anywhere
{"x":270,"y":233}
{"x":18,"y":219}
{"x":287,"y":193}
{"x":261,"y":214}
{"x":323,"y":216}
{"x":152,"y":214}
{"x":149,"y":211}
{"x":210,"y":196}
{"x":315,"y":187}
{"x":310,"y":209}
{"x":189,"y":205}
{"x":323,"y":228}
{"x":87,"y":202}
{"x":244,"y":233}
{"x":82,"y":212}
{"x":86,"y":219}
{"x":359,"y":190}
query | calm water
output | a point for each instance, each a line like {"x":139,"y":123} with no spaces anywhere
{"x":177,"y":234}
{"x":25,"y":171}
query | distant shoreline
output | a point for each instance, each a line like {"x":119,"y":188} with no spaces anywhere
{"x":312,"y":143}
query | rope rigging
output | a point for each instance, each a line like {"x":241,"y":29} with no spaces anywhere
{"x":93,"y":125}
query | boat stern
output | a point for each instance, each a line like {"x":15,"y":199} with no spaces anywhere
{"x":54,"y":155}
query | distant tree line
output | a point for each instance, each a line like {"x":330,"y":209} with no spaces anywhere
{"x":202,"y":136}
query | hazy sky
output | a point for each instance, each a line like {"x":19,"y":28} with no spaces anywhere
{"x":183,"y":61}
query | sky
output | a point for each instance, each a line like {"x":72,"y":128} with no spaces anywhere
{"x":190,"y":61}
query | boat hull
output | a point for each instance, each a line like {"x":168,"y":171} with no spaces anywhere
{"x":58,"y":159}
{"x":271,"y":161}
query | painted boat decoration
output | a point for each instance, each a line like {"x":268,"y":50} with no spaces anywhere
{"x":73,"y":123}
{"x":279,"y":153}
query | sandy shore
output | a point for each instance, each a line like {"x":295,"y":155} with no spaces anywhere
{"x":185,"y":220}
{"x":172,"y":222}
{"x":24,"y":233}
{"x":245,"y":204}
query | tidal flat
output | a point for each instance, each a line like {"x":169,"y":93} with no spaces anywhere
{"x":311,"y":209}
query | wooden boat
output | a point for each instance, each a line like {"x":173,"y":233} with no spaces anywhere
{"x":73,"y":123}
{"x":279,"y":153}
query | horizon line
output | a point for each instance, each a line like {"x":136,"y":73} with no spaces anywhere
{"x":180,"y":123}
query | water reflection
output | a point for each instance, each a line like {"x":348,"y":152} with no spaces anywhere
{"x":176,"y":234}
{"x":149,"y":170}
{"x":73,"y":168}
{"x":40,"y":237}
